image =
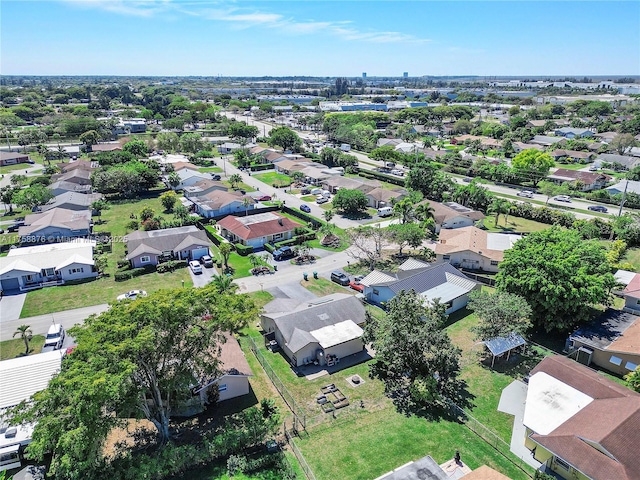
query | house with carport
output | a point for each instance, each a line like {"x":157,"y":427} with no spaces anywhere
{"x":29,"y":268}
{"x":256,"y":230}
{"x":321,"y":331}
{"x":154,"y":246}
{"x":579,"y":424}
{"x":473,"y":248}
{"x":431,"y":281}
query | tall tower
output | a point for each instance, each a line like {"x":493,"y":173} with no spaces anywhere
{"x":405,"y":75}
{"x":364,"y":74}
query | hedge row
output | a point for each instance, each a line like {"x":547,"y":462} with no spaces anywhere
{"x":243,"y":250}
{"x":134,"y":272}
{"x":256,"y":167}
{"x":303,"y":216}
{"x":297,"y":240}
{"x":381,"y":176}
{"x":170,"y":266}
{"x":210,"y":230}
{"x":269,"y":248}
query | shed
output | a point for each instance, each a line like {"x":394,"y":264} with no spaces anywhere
{"x":498,"y":346}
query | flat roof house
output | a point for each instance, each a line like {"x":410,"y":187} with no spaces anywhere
{"x":580,"y":424}
{"x":441,"y":281}
{"x":323,"y":330}
{"x":28,"y":268}
{"x":55,"y":225}
{"x":611,"y":341}
{"x":256,"y":230}
{"x":181,"y":243}
{"x":473,"y":248}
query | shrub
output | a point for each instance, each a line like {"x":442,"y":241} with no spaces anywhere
{"x":170,"y":266}
{"x":122,"y":276}
{"x":123,"y":263}
{"x":269,"y":248}
{"x":236,"y":464}
{"x":136,"y":272}
{"x":243,"y":250}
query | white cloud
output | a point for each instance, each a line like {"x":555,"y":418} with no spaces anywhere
{"x":137,"y":8}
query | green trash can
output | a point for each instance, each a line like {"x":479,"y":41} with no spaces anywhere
{"x":315,"y":275}
{"x":305,"y":275}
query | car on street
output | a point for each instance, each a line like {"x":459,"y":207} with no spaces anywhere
{"x":525,"y":193}
{"x":305,"y":208}
{"x":131,"y":295}
{"x":195,"y":267}
{"x":282,"y":253}
{"x":320,"y":199}
{"x":340,"y":278}
{"x":597,"y":208}
{"x":562,"y":198}
{"x":207,"y":261}
{"x":215,"y":176}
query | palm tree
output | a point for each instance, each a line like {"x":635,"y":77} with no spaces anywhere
{"x":234,"y":180}
{"x":174,"y":179}
{"x":225,"y":251}
{"x":404,"y":210}
{"x":223,"y":283}
{"x":424,"y":212}
{"x":246,"y":201}
{"x":26,"y":334}
{"x":254,"y":259}
{"x":499,"y":205}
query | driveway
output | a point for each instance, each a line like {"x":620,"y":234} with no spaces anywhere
{"x":11,"y":307}
{"x":203,"y":278}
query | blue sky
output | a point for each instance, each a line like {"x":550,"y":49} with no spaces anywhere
{"x":319,"y":38}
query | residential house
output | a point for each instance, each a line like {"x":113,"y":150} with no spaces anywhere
{"x":78,"y":165}
{"x":570,"y":133}
{"x":153,"y":246}
{"x":203,"y":187}
{"x":337,"y":182}
{"x":273,"y":157}
{"x":315,"y":175}
{"x":474,"y":249}
{"x":62,"y":186}
{"x":631,"y":295}
{"x":289,"y":166}
{"x":586,"y":180}
{"x":626,"y":161}
{"x":180,"y":165}
{"x":606,"y":137}
{"x":228,"y":147}
{"x":391,"y":142}
{"x":256,"y":230}
{"x":536,"y":123}
{"x":13,"y":158}
{"x":233,"y":378}
{"x":323,"y":330}
{"x":131,"y":125}
{"x":486,"y":142}
{"x":22,"y":377}
{"x":572,"y":155}
{"x":546,"y":141}
{"x":520,"y":146}
{"x":611,"y":341}
{"x":441,"y":281}
{"x":71,"y":201}
{"x":106,"y":147}
{"x":187,"y":178}
{"x":632,"y":186}
{"x":381,"y":197}
{"x":80,"y":176}
{"x":55,"y":225}
{"x":453,"y":215}
{"x":28,"y":268}
{"x":580,"y":424}
{"x":258,"y":150}
{"x":217,"y":203}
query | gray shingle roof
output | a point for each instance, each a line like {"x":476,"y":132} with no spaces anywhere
{"x":605,"y":329}
{"x":168,"y":239}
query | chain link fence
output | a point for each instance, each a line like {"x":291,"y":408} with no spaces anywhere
{"x":296,"y":451}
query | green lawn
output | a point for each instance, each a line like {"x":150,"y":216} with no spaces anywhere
{"x":274,"y":178}
{"x":15,"y":347}
{"x":515,"y":224}
{"x":308,"y":198}
{"x":15,"y":168}
{"x":239,"y":186}
{"x":240,"y":265}
{"x":210,"y":170}
{"x":322,"y":286}
{"x":571,"y":166}
{"x":632,"y":256}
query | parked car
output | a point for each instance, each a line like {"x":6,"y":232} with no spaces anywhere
{"x":14,"y":228}
{"x":320,"y":199}
{"x":597,"y":208}
{"x":340,"y":278}
{"x":195,"y":267}
{"x":525,"y":193}
{"x":305,"y":208}
{"x":282,"y":253}
{"x":55,"y":336}
{"x":562,"y":198}
{"x":215,"y":176}
{"x":356,"y":285}
{"x":207,"y":261}
{"x":385,"y":211}
{"x":131,"y":295}
{"x":264,"y":198}
{"x":305,"y":191}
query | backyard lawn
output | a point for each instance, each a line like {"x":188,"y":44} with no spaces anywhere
{"x":15,"y":347}
{"x":274,"y":178}
{"x":515,"y":224}
{"x":632,"y":256}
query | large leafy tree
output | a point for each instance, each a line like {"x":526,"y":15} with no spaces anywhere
{"x":427,"y":179}
{"x":406,"y":235}
{"x":286,"y":138}
{"x":32,"y":196}
{"x":136,"y":148}
{"x":414,"y":357}
{"x":500,"y":313}
{"x":350,"y":201}
{"x":141,"y":356}
{"x":559,"y":275}
{"x":532,"y":165}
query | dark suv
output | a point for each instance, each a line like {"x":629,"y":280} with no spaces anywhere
{"x":340,"y":278}
{"x":282,"y":253}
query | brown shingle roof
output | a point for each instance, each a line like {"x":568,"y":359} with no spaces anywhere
{"x":232,"y":359}
{"x":56,"y":217}
{"x":256,"y":226}
{"x":180,"y":165}
{"x":466,"y":239}
{"x":587,"y":177}
{"x":442,"y":213}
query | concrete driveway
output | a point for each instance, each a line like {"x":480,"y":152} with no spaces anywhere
{"x":203,"y":278}
{"x":11,"y":306}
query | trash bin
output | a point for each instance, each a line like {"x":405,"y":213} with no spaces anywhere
{"x":315,"y":275}
{"x":275,"y":268}
{"x":305,"y":275}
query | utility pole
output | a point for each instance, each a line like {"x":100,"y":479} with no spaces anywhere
{"x":624,"y":197}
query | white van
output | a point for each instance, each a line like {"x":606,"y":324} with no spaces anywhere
{"x":326,"y":194}
{"x":385,"y":211}
{"x":55,"y":336}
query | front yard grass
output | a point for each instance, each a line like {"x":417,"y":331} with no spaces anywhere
{"x":15,"y":347}
{"x":274,"y":178}
{"x":210,"y":170}
{"x":322,"y":286}
{"x":632,"y":256}
{"x":515,"y":224}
